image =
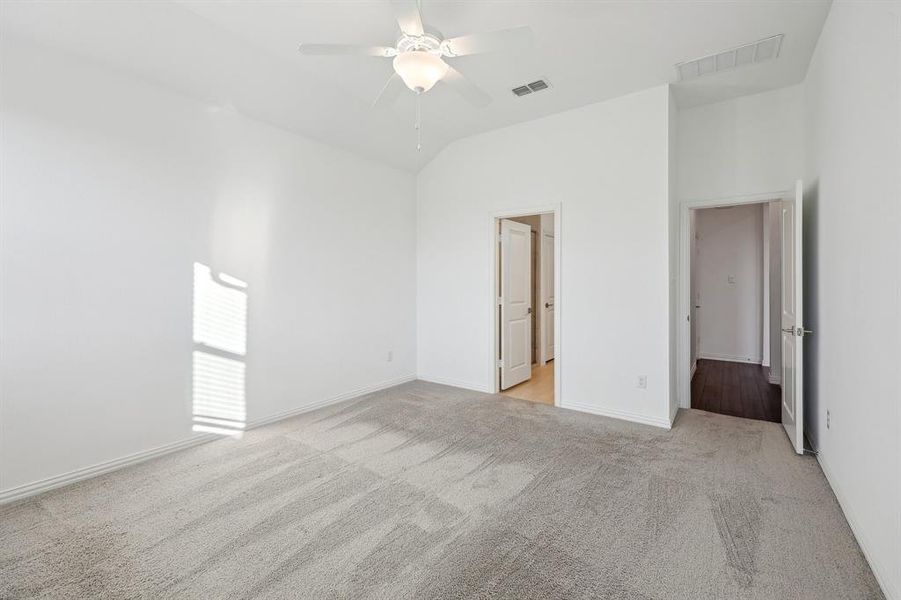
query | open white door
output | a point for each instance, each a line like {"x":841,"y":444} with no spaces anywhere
{"x":792,"y":323}
{"x":547,"y":275}
{"x":515,"y":303}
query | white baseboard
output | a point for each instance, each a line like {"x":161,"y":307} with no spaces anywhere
{"x":623,"y":415}
{"x":332,"y":400}
{"x":774,"y":377}
{"x":673,"y":411}
{"x":45,"y":485}
{"x":50,"y":483}
{"x":475,"y":387}
{"x":694,"y":367}
{"x":881,"y":571}
{"x":729,"y":358}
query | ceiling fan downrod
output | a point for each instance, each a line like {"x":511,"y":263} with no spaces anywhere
{"x":418,"y":124}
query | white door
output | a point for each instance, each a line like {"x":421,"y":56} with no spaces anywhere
{"x":547,"y":276}
{"x":792,"y":323}
{"x":516,"y":300}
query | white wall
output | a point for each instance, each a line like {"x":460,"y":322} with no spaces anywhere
{"x":606,"y":164}
{"x":111,"y":189}
{"x":748,"y":145}
{"x":674,"y":216}
{"x":852,"y":265}
{"x":729,"y":279}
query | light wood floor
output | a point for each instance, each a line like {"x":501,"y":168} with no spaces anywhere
{"x":540,"y":388}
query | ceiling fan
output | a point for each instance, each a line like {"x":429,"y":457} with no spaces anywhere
{"x":419,"y":56}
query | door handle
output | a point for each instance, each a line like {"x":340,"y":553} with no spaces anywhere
{"x":789,"y":330}
{"x":547,"y":305}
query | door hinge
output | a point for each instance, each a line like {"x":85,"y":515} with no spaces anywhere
{"x":500,"y":363}
{"x":500,"y":300}
{"x":797,"y":331}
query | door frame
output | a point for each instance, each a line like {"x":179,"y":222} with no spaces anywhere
{"x":683,"y":367}
{"x":556,"y":210}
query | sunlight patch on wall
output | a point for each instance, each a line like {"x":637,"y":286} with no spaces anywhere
{"x":220,"y":346}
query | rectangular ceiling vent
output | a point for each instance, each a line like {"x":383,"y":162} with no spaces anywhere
{"x":748,"y":54}
{"x":535,"y":86}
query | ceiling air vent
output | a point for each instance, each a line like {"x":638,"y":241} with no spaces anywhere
{"x":748,"y":54}
{"x":535,"y":86}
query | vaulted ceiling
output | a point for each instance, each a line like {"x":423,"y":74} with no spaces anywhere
{"x":243,"y":55}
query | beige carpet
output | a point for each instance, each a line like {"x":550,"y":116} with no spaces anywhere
{"x":426,"y":491}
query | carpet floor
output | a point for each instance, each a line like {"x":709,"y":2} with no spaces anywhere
{"x":428,"y":491}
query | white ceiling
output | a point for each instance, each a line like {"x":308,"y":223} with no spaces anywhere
{"x":243,"y":54}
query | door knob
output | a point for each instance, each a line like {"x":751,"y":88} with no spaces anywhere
{"x":547,"y":305}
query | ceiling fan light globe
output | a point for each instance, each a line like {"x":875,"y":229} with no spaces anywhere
{"x":419,"y":69}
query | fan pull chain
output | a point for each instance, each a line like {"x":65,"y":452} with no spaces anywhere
{"x":418,"y":124}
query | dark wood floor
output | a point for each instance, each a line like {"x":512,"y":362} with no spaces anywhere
{"x":736,"y":389}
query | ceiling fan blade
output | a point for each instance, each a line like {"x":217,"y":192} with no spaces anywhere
{"x":503,"y":40}
{"x":408,"y":16}
{"x":390,"y":91}
{"x":470,"y":91}
{"x":337,"y":49}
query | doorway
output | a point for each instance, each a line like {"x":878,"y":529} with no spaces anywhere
{"x":734,"y":287}
{"x":780,"y":327}
{"x":525,"y":306}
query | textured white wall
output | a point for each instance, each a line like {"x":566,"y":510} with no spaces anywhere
{"x":730,"y":245}
{"x":744,"y":146}
{"x":607,"y":165}
{"x":112,"y":189}
{"x":852,"y":268}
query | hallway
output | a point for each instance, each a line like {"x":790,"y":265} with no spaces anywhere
{"x":736,"y":389}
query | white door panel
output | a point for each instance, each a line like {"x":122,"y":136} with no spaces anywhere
{"x":792,"y":323}
{"x":516,"y":298}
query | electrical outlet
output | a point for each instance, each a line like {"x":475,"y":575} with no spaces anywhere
{"x":390,"y":355}
{"x":642,"y":382}
{"x":828,"y":419}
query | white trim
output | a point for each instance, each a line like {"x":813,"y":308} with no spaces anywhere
{"x":368,"y":389}
{"x":765,"y":300}
{"x":752,"y":360}
{"x":57,"y":481}
{"x":773,"y":376}
{"x":880,"y":571}
{"x":556,"y":210}
{"x":694,"y":369}
{"x":683,"y":354}
{"x":619,"y":414}
{"x":44,"y":485}
{"x":466,"y":385}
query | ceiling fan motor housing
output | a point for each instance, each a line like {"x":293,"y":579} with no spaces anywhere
{"x":427,"y":42}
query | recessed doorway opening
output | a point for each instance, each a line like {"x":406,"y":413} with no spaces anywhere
{"x":734,"y":284}
{"x":766,"y":285}
{"x":526,"y":305}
